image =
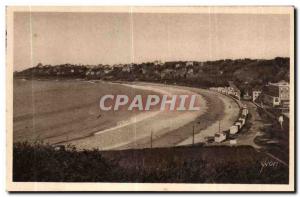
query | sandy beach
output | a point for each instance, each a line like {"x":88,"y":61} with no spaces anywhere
{"x":139,"y":128}
{"x":53,"y":112}
{"x":67,"y":112}
{"x":218,"y":107}
{"x":225,"y":121}
{"x":168,"y":128}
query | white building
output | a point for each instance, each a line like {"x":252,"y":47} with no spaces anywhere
{"x":220,"y":137}
{"x":239,"y":124}
{"x":189,"y":63}
{"x":245,"y":112}
{"x":234,"y":129}
{"x":243,"y":121}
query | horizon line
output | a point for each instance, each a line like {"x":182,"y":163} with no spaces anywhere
{"x":82,"y":64}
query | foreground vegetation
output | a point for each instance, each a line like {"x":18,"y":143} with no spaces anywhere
{"x":193,"y":164}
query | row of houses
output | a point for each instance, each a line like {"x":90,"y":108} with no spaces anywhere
{"x":155,"y":69}
{"x":231,"y":90}
{"x":234,"y":129}
{"x":270,"y":95}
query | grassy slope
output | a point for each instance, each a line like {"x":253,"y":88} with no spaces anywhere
{"x":174,"y":165}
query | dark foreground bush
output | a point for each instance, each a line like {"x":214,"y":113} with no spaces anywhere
{"x":169,"y":165}
{"x":43,"y":163}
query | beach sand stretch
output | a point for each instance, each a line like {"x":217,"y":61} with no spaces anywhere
{"x":167,"y":128}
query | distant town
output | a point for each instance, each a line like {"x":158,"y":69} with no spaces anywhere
{"x":260,"y":82}
{"x":265,"y":82}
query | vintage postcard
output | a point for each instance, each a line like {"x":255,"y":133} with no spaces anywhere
{"x":150,"y":99}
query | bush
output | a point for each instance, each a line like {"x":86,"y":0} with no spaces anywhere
{"x":220,"y":164}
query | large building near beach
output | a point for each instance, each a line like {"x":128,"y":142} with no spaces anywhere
{"x":276,"y":94}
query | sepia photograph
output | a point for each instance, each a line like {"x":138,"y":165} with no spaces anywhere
{"x":150,"y":98}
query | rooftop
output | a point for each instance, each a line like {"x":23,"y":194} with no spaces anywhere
{"x":280,"y":83}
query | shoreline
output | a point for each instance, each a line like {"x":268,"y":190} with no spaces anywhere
{"x":216,"y":110}
{"x":169,"y":129}
{"x":64,"y":110}
{"x":229,"y":116}
{"x":128,"y":135}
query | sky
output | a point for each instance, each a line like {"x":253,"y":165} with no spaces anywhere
{"x":117,"y":38}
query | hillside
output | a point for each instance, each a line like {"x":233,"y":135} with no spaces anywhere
{"x":245,"y":73}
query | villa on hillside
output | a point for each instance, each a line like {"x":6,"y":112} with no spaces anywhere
{"x":189,"y":63}
{"x":126,"y":68}
{"x":158,"y":63}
